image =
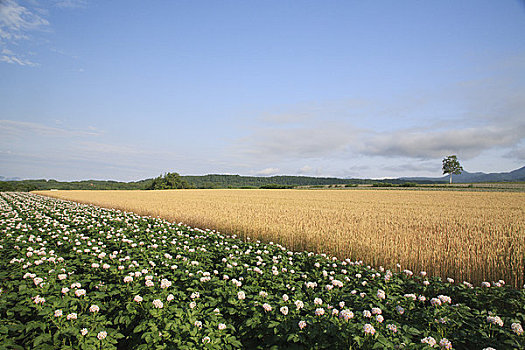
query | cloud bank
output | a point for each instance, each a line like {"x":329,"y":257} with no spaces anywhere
{"x":20,"y":24}
{"x":17,"y":23}
{"x":471,"y":119}
{"x":467,"y":142}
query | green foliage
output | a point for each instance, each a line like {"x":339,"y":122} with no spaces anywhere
{"x":451,"y":166}
{"x":19,"y":186}
{"x":276,"y":186}
{"x":388,"y":184}
{"x":32,"y":185}
{"x":169,"y":181}
{"x":237,"y":181}
{"x":382,"y":184}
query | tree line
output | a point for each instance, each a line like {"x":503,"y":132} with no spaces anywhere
{"x":175,"y":181}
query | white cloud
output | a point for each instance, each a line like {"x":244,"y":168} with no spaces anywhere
{"x":21,"y":23}
{"x":13,"y":59}
{"x":415,"y":166}
{"x":63,"y":53}
{"x":311,"y":171}
{"x":308,"y":141}
{"x":517,"y":153}
{"x":466,"y":142}
{"x":267,"y":171}
{"x":99,"y":148}
{"x":17,"y":20}
{"x":71,"y":4}
{"x":15,"y":128}
{"x":16,"y":23}
{"x":305,"y":169}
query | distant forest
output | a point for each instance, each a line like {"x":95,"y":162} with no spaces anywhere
{"x":202,"y":181}
{"x":32,"y":185}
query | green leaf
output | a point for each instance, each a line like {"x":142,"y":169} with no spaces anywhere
{"x":41,"y":339}
{"x":273,"y":324}
{"x":378,"y":345}
{"x":413,"y":331}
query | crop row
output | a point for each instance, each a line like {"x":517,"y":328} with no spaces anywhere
{"x":74,"y":276}
{"x":473,"y":236}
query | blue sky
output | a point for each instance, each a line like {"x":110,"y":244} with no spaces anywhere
{"x":127,"y":90}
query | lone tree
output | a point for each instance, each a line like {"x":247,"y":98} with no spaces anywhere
{"x":169,"y":181}
{"x":451,"y":166}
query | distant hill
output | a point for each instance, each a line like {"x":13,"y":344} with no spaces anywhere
{"x":201,"y":181}
{"x":237,"y":181}
{"x":466,"y":177}
{"x":43,"y":184}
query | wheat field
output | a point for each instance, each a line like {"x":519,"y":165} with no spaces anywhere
{"x":468,"y":236}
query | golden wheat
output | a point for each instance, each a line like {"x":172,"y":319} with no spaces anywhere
{"x":473,"y":236}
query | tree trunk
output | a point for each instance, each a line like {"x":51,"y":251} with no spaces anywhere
{"x":450,"y":177}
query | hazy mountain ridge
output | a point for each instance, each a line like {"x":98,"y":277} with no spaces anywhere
{"x":466,"y":177}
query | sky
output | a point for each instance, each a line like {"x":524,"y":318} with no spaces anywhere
{"x":127,"y":90}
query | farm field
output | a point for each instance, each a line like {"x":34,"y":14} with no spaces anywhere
{"x":489,"y":186}
{"x":467,"y":236}
{"x":76,"y":276}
